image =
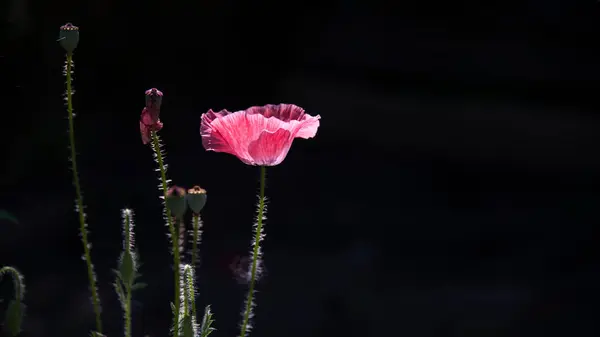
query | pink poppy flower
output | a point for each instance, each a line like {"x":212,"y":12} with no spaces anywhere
{"x":259,"y":135}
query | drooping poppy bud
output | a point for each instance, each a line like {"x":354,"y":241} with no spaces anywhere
{"x":196,"y":199}
{"x":176,"y":201}
{"x":149,"y":119}
{"x":153,"y":98}
{"x":69,"y":37}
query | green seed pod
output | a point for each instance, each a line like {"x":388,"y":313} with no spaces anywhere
{"x":176,"y":201}
{"x":69,"y":37}
{"x":196,"y":199}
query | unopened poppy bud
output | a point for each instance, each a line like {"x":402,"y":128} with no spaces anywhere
{"x":196,"y":199}
{"x":153,"y":98}
{"x":176,"y":201}
{"x":69,"y":37}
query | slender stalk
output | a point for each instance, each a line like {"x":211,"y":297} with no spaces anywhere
{"x":16,"y":309}
{"x":80,"y":210}
{"x":192,"y":296}
{"x":127,"y":235}
{"x":174,"y":236}
{"x":195,"y":237}
{"x":127,"y":309}
{"x":196,"y":233}
{"x":255,"y":252}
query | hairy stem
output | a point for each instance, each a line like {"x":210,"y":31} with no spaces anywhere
{"x":195,"y":237}
{"x":255,"y":252}
{"x":174,"y":236}
{"x":80,"y":209}
{"x":127,"y":309}
{"x":190,"y":290}
{"x":196,"y":233}
{"x":127,"y":255}
{"x":192,"y":296}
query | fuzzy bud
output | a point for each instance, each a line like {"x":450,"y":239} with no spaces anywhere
{"x":176,"y":201}
{"x":196,"y":199}
{"x":69,"y":37}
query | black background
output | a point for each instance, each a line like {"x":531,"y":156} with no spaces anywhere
{"x":451,"y":190}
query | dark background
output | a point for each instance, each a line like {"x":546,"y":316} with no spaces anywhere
{"x":452,"y":188}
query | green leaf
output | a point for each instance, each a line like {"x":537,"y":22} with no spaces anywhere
{"x":207,"y":321}
{"x":188,"y":326}
{"x":119,"y":291}
{"x":14,"y":317}
{"x":138,"y":285}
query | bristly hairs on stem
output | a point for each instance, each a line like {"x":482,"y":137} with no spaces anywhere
{"x":159,"y":156}
{"x":207,"y":321}
{"x":196,"y":239}
{"x":18,"y":281}
{"x":127,"y":273}
{"x":181,"y":238}
{"x":128,"y":232}
{"x":79,"y":206}
{"x":187,"y":310}
{"x":16,"y":309}
{"x":256,"y":251}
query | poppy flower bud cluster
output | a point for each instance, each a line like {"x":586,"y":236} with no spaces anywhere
{"x":178,"y":200}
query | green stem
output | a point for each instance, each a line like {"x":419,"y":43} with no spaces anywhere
{"x":192,"y":297}
{"x":174,"y":236}
{"x":195,"y":242}
{"x":255,"y":257}
{"x":195,"y":235}
{"x":17,"y":281}
{"x":127,"y":234}
{"x":128,"y":313}
{"x":80,"y":210}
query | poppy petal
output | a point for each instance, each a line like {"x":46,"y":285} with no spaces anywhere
{"x":260,"y":135}
{"x":270,"y":148}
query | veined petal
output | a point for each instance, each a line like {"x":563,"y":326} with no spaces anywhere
{"x":212,"y":140}
{"x":258,"y":135}
{"x":283,"y":112}
{"x":270,"y":148}
{"x":227,"y":132}
{"x":145,"y":132}
{"x":308,"y":127}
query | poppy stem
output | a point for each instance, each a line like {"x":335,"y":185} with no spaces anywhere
{"x":128,"y":270}
{"x":16,"y":309}
{"x":196,"y":237}
{"x":188,"y":309}
{"x":172,"y":232}
{"x":79,"y":196}
{"x":256,"y":253}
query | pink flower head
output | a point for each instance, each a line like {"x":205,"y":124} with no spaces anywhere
{"x":149,"y":120}
{"x":259,"y":135}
